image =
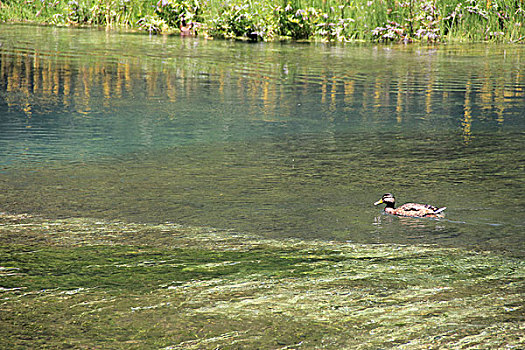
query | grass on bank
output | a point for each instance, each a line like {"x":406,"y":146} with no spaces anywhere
{"x":331,"y":20}
{"x":81,"y":283}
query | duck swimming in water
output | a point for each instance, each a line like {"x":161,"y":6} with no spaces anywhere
{"x":409,"y":209}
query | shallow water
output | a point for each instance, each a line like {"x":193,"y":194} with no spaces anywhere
{"x":81,"y":283}
{"x":283,"y":140}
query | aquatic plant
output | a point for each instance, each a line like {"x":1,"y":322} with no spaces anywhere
{"x":89,"y":284}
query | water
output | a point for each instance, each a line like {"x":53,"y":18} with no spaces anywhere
{"x":282,"y":140}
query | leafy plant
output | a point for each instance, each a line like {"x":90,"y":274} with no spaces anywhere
{"x":78,"y":12}
{"x":152,"y":24}
{"x":410,"y":21}
{"x":297,"y":23}
{"x":253,"y":21}
{"x":177,"y":13}
{"x":335,"y":26}
{"x":341,"y":20}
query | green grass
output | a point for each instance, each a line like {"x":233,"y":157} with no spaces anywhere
{"x":331,"y":20}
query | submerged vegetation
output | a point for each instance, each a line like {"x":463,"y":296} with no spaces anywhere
{"x":331,"y":20}
{"x":83,"y":283}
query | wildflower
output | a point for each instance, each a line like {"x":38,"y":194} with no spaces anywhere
{"x":378,"y":30}
{"x":389,"y":35}
{"x":433,"y":36}
{"x":300,"y":12}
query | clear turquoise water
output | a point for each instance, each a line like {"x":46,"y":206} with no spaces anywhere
{"x":280,"y":139}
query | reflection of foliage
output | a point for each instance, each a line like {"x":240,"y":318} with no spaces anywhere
{"x":46,"y":79}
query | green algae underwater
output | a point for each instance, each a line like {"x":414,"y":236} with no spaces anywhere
{"x":83,"y":283}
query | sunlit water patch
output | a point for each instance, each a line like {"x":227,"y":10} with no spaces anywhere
{"x":294,"y":140}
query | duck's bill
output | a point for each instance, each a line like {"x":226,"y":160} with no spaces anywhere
{"x":378,"y":202}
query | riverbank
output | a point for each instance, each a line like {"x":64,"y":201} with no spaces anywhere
{"x":332,"y":20}
{"x":85,"y":283}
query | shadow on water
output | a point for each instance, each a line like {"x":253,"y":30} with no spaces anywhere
{"x":282,"y":140}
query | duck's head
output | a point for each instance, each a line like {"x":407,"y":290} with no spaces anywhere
{"x":388,"y":199}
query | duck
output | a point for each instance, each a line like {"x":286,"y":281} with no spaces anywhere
{"x":409,"y":209}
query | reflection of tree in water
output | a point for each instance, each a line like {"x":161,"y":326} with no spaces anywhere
{"x":38,"y":80}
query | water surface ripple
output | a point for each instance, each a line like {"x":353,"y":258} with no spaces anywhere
{"x":285,"y":140}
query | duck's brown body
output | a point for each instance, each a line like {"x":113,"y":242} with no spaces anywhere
{"x":409,"y":209}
